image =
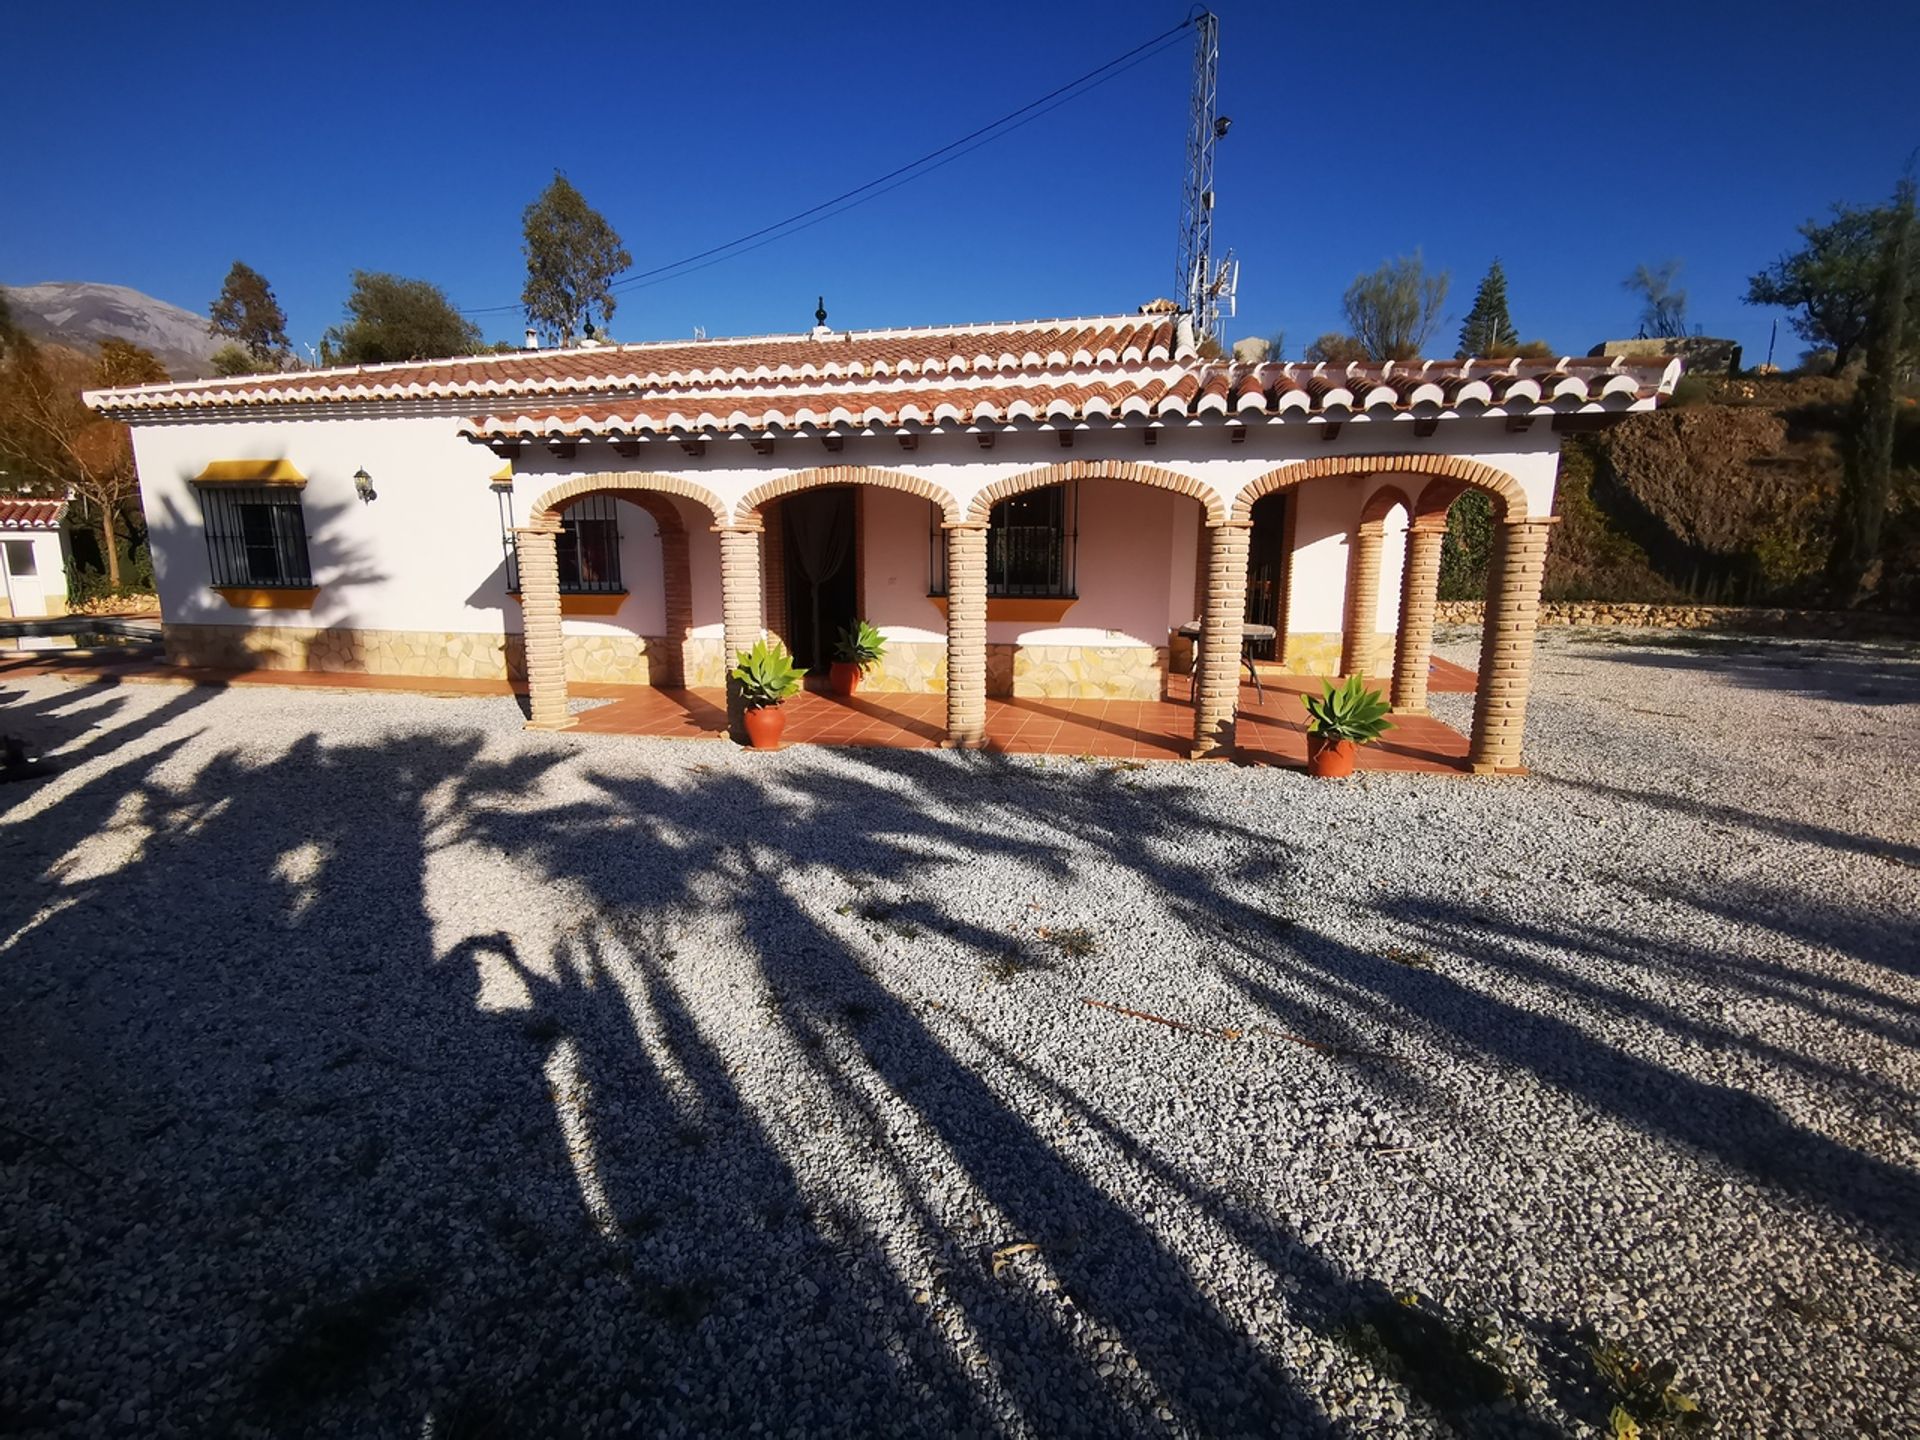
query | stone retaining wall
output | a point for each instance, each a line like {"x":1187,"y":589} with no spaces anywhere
{"x":910,"y":667}
{"x":431,"y":654}
{"x":443,"y":655}
{"x":1061,"y":672}
{"x":1077,"y":672}
{"x":1751,"y":619}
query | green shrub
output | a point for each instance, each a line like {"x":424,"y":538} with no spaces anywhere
{"x":860,"y":644}
{"x":766,"y":674}
{"x":1355,"y":712}
{"x":1469,"y":542}
{"x":88,"y":589}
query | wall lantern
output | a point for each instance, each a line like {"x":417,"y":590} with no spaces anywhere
{"x":363,"y":485}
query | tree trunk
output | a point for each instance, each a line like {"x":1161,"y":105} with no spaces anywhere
{"x":1869,"y":459}
{"x":110,"y":542}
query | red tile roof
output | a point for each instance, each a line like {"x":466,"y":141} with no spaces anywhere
{"x":17,"y":513}
{"x":1182,"y":392}
{"x":832,"y":355}
{"x":1106,"y":368}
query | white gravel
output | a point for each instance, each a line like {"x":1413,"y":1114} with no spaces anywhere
{"x":369,"y":1065}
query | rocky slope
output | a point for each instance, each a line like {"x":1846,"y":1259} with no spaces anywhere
{"x":82,"y":314}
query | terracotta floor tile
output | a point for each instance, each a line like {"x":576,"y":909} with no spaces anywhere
{"x":1271,"y":727}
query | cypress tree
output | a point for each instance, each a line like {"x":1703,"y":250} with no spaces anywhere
{"x":1869,"y":452}
{"x":1489,"y":328}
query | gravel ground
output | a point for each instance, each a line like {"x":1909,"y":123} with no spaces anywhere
{"x":371,"y":1066}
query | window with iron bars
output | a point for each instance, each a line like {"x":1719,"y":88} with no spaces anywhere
{"x":587,"y":547}
{"x":1031,"y":540}
{"x":256,"y":535}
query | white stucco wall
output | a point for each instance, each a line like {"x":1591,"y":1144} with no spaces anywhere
{"x":644,"y":611}
{"x":426,"y":556}
{"x":1122,"y":569}
{"x":1327,"y":514}
{"x":49,"y":579}
{"x":897,"y":555}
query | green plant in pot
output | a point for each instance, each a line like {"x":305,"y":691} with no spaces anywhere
{"x":857,"y":651}
{"x":763,"y":677}
{"x":1339,"y":722}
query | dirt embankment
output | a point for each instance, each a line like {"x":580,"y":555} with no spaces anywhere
{"x":1729,"y":494}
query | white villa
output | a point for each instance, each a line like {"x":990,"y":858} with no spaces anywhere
{"x":1024,"y":509}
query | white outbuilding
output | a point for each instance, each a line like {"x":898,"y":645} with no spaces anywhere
{"x":33,"y":558}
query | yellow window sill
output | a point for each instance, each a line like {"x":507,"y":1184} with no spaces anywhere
{"x":1025,"y":609}
{"x":247,"y":597}
{"x":597,"y":603}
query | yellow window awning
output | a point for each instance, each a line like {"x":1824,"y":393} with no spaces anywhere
{"x":250,"y":472}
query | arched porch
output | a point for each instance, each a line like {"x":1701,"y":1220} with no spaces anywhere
{"x":550,"y":590}
{"x":1407,"y":498}
{"x":964,"y":621}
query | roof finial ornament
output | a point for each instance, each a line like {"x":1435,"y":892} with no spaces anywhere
{"x":820,"y":314}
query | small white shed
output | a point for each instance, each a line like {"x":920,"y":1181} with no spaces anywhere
{"x":33,"y":560}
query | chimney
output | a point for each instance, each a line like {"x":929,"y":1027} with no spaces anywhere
{"x":533,"y":338}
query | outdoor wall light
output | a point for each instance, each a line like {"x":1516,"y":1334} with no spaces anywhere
{"x":363,"y":485}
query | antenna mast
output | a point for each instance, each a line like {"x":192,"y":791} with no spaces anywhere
{"x":1204,"y":290}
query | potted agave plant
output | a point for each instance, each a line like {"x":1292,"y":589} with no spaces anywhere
{"x":765,"y":676}
{"x":1339,"y":722}
{"x":857,"y":651}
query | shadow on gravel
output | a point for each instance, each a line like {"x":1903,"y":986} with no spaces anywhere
{"x":1803,"y":831}
{"x":242,"y":969}
{"x":423,"y":1178}
{"x":54,"y":722}
{"x":1847,"y":671}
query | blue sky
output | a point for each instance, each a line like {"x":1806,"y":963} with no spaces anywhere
{"x":152,"y":145}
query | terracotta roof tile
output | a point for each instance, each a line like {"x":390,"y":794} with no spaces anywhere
{"x":19,"y":513}
{"x":1110,"y":368}
{"x":982,"y":349}
{"x":1178,"y":392}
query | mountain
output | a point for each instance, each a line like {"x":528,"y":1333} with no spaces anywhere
{"x":82,"y":314}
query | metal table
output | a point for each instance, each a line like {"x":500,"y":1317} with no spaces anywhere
{"x":1248,"y":632}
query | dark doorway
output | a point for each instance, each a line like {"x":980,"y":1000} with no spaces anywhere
{"x":1267,"y":573}
{"x":822,"y":596}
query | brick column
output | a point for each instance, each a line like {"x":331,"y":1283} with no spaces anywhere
{"x":1363,"y":597}
{"x":1216,"y":682}
{"x":773,"y":584}
{"x":739,"y":605}
{"x":677,"y":573}
{"x":1419,"y":593}
{"x":1514,"y":573}
{"x":966,"y":636}
{"x":540,"y":618}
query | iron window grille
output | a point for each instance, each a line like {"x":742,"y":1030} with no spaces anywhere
{"x":587,"y":547}
{"x":1032,"y":540}
{"x":256,"y":535}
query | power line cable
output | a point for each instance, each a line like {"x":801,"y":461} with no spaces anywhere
{"x":639,"y":283}
{"x":901,"y":175}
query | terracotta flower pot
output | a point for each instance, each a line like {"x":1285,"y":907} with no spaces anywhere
{"x":765,"y":724}
{"x":844,"y":676}
{"x":1329,"y":758}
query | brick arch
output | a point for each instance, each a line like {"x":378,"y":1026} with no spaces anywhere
{"x":1437,"y":499}
{"x":847,"y":475}
{"x":630,"y":485}
{"x":667,"y":662}
{"x":981,"y":510}
{"x":1504,"y":488}
{"x":1380,"y":505}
